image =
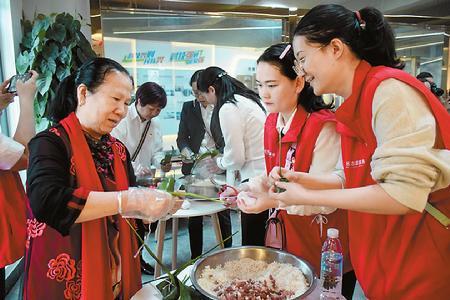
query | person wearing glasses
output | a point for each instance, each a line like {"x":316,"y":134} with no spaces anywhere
{"x":395,"y":154}
{"x":309,"y":143}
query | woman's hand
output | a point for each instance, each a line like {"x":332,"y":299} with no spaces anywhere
{"x":6,"y":98}
{"x":291,"y":176}
{"x":294,"y":194}
{"x":145,"y":203}
{"x":254,"y":203}
{"x":27,"y":90}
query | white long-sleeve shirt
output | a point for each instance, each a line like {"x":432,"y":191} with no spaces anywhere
{"x":242,"y":127}
{"x":10,"y":152}
{"x":129,"y":131}
{"x":405,"y":163}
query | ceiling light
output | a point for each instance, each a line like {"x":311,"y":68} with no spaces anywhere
{"x":197,"y":29}
{"x":419,"y":46}
{"x":420,"y":35}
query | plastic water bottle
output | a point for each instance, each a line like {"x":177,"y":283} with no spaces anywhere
{"x":331,"y":267}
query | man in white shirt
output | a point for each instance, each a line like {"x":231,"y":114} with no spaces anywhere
{"x":142,"y":136}
{"x":140,"y":132}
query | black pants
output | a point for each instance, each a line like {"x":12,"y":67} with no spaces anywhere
{"x":2,"y":284}
{"x":348,"y":284}
{"x":196,"y":232}
{"x":253,"y":228}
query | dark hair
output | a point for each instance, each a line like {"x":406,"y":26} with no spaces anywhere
{"x":306,"y":98}
{"x":151,"y":93}
{"x":370,"y":38}
{"x":424,"y":75}
{"x":195,"y":77}
{"x":92,"y":74}
{"x":225,"y":86}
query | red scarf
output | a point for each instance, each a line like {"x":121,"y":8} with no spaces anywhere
{"x":12,"y":217}
{"x":96,"y":274}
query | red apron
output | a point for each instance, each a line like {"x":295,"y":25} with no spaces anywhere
{"x":12,"y":217}
{"x":394,"y":256}
{"x":303,"y":236}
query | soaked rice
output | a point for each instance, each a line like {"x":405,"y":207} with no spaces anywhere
{"x":286,"y":276}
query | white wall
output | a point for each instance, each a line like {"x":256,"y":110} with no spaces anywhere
{"x":74,"y":7}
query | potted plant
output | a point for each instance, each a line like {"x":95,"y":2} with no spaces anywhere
{"x":55,"y":47}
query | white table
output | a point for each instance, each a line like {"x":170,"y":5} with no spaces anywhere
{"x":198,"y":208}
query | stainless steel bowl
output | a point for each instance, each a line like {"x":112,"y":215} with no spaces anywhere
{"x":201,"y":187}
{"x":268,"y":255}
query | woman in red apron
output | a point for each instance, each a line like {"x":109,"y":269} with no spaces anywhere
{"x":395,"y":141}
{"x":13,"y":158}
{"x":309,"y":141}
{"x":78,"y":244}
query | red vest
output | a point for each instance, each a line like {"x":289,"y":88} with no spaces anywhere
{"x":12,"y":217}
{"x":302,"y":232}
{"x":394,"y":256}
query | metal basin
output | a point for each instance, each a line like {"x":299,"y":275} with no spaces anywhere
{"x":201,"y":187}
{"x":268,"y":255}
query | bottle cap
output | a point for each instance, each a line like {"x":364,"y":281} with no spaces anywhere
{"x":332,"y":233}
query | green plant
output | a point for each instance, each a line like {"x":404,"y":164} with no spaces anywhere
{"x":55,"y":47}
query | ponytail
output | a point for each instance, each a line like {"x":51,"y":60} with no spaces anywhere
{"x":366,"y":32}
{"x":226,"y":87}
{"x":65,"y":100}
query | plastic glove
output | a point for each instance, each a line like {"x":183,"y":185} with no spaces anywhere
{"x":187,"y":156}
{"x":140,"y":170}
{"x":145,"y":203}
{"x":205,"y":168}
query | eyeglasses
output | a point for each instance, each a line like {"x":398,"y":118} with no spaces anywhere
{"x":299,"y":63}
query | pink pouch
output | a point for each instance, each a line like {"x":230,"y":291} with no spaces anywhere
{"x":275,"y":232}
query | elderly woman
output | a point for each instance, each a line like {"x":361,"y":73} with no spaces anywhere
{"x":78,"y":244}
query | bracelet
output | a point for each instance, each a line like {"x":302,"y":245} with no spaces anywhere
{"x":119,"y":200}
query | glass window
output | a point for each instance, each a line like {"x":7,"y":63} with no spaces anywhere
{"x":168,"y":48}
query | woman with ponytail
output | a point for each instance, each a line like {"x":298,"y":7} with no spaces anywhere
{"x":78,"y":244}
{"x":238,"y":118}
{"x":395,"y":154}
{"x":309,"y":143}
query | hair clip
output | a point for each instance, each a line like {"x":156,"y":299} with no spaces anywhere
{"x":285,"y":51}
{"x":361,"y":22}
{"x":222,"y":74}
